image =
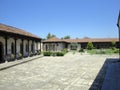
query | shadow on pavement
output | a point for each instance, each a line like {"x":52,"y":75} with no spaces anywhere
{"x":9,"y":66}
{"x":98,"y":82}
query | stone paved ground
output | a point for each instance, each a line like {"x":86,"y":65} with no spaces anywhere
{"x":71,"y":72}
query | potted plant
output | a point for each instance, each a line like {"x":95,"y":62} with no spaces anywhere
{"x":19,"y":55}
{"x":31,"y":53}
{"x":38,"y":52}
{"x":12,"y":56}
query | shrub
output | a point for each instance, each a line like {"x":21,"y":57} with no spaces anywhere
{"x":113,"y":48}
{"x":64,"y":51}
{"x":81,"y":50}
{"x":31,"y":53}
{"x":12,"y":56}
{"x":116,"y":50}
{"x":59,"y":53}
{"x":38,"y":52}
{"x":113,"y":44}
{"x":53,"y":53}
{"x":90,"y":46}
{"x":47,"y":53}
{"x":19,"y":55}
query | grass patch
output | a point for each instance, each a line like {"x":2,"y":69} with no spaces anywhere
{"x":103,"y":51}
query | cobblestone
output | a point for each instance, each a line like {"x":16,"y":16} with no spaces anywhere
{"x":71,"y":72}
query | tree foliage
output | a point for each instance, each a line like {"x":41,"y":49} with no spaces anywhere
{"x":113,"y":44}
{"x":50,"y":35}
{"x":90,"y":46}
{"x":67,"y":37}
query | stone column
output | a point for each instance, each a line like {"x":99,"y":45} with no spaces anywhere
{"x":15,"y":48}
{"x":6,"y":45}
{"x":22,"y":48}
{"x":28,"y":48}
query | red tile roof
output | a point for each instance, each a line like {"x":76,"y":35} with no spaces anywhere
{"x":14,"y":30}
{"x":54,"y":39}
{"x":93,"y":40}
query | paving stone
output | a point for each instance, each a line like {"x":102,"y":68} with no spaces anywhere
{"x":71,"y":72}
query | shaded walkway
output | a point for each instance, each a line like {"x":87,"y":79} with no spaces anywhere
{"x":112,"y":78}
{"x":108,"y":77}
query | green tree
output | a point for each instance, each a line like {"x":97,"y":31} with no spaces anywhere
{"x":53,"y":35}
{"x":50,"y":35}
{"x":67,"y":37}
{"x":113,"y":44}
{"x":90,"y":46}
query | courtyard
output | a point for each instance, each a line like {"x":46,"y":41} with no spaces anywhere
{"x":71,"y":72}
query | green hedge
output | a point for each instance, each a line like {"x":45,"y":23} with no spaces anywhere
{"x":54,"y":53}
{"x":81,"y":50}
{"x":60,"y":53}
{"x":47,"y":53}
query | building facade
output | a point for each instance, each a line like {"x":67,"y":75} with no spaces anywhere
{"x":56,"y":44}
{"x":16,"y":43}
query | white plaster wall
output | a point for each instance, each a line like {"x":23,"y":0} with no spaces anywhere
{"x":36,"y":45}
{"x":30,"y":42}
{"x":60,"y":46}
{"x":24,"y":46}
{"x":42,"y":47}
{"x":39,"y":45}
{"x":18,"y":42}
{"x":68,"y":47}
{"x":2,"y":40}
{"x":78,"y":47}
{"x":9,"y":42}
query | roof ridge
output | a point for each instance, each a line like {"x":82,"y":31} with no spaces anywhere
{"x":20,"y":31}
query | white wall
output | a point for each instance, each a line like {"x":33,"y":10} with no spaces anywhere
{"x":39,"y":45}
{"x":78,"y":47}
{"x":25,"y":42}
{"x":18,"y":42}
{"x":60,"y":46}
{"x":68,"y":47}
{"x":30,"y":43}
{"x":9,"y":42}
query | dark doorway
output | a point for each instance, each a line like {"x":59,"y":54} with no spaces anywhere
{"x":1,"y":53}
{"x":31,"y":47}
{"x":21,"y":48}
{"x":12,"y":48}
{"x":46,"y":48}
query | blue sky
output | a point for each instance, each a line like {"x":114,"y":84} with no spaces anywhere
{"x":77,"y":18}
